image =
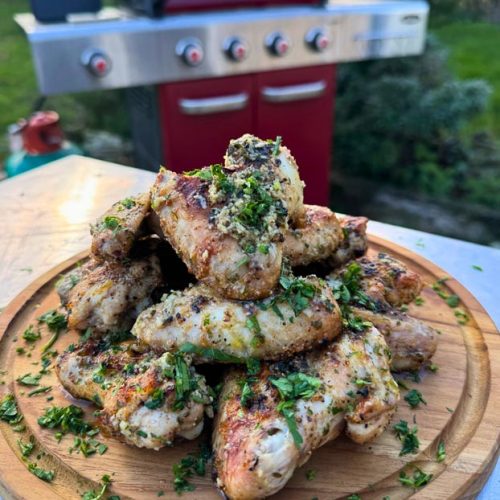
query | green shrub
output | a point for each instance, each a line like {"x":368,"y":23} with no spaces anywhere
{"x":399,"y":121}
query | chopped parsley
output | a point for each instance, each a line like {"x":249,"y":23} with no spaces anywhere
{"x":99,"y":494}
{"x":414,"y":398}
{"x":476,"y":267}
{"x":354,"y":496}
{"x":291,"y":388}
{"x":8,"y":410}
{"x":461,"y":316}
{"x":111,"y":222}
{"x":311,"y":474}
{"x":26,"y":448}
{"x":56,"y":323}
{"x":30,"y":335}
{"x":407,"y":436}
{"x":453,"y":300}
{"x":210,"y":353}
{"x":277,"y":144}
{"x":441,"y":452}
{"x":417,"y":480}
{"x":29,"y":379}
{"x":67,"y":419}
{"x":156,"y":399}
{"x":252,"y":324}
{"x":188,"y":467}
{"x":127,"y":203}
{"x":44,"y":475}
{"x":419,"y":301}
{"x":40,"y":390}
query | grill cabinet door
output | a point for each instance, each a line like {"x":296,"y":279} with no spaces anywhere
{"x":199,"y":118}
{"x":298,"y":105}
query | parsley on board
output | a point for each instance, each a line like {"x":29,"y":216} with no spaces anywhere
{"x":419,"y":301}
{"x":8,"y":410}
{"x":291,"y":388}
{"x":311,"y":474}
{"x":44,"y":475}
{"x":441,"y":452}
{"x":194,"y":463}
{"x":354,"y":496}
{"x":67,"y":419}
{"x":97,"y":495}
{"x":414,"y":398}
{"x":40,"y":390}
{"x":407,"y":436}
{"x":417,"y":480}
{"x":56,"y":323}
{"x":29,"y":379}
{"x":30,"y":335}
{"x":26,"y":448}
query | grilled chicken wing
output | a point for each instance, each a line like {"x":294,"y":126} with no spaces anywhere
{"x":250,"y":151}
{"x":138,"y":392}
{"x":411,"y":341}
{"x":108,"y":296}
{"x":114,"y":232}
{"x":316,"y":237}
{"x":300,"y":315}
{"x":354,"y":242}
{"x":217,"y":247}
{"x":385,"y":280}
{"x":255,"y":452}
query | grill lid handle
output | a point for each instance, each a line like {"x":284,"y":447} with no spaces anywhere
{"x":294,"y":92}
{"x":210,"y":105}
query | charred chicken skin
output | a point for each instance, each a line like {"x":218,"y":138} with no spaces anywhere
{"x":269,"y":425}
{"x":108,"y":296}
{"x":301,"y":314}
{"x":115,"y":231}
{"x":314,"y":238}
{"x":139,"y":393}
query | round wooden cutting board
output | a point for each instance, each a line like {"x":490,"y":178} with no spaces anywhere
{"x":462,"y":411}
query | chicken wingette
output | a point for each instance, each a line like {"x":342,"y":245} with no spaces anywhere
{"x":301,"y":314}
{"x":117,"y":229}
{"x":228,"y":223}
{"x":314,"y":238}
{"x":411,"y":342}
{"x":269,"y":424}
{"x":250,"y":151}
{"x":147,"y":400}
{"x":108,"y":296}
{"x":383,"y":280}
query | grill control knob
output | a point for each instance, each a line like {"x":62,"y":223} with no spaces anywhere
{"x":317,"y":40}
{"x":96,"y":62}
{"x":277,"y":44}
{"x":190,"y":51}
{"x":236,"y":49}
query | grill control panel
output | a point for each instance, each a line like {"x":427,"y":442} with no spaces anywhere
{"x":131,"y":51}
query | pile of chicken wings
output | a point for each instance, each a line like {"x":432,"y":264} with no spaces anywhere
{"x":237,"y":304}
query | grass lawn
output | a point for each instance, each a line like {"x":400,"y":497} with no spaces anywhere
{"x":474,"y":49}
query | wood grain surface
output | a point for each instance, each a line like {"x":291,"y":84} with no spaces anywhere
{"x":45,"y":214}
{"x":463,"y":411}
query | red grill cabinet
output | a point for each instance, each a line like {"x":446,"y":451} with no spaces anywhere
{"x":294,"y":103}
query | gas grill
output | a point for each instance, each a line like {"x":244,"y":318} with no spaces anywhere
{"x":200,"y":72}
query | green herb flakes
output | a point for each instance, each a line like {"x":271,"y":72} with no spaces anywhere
{"x":26,"y":448}
{"x":194,"y":463}
{"x":407,"y":436}
{"x":441,"y":452}
{"x":414,"y":398}
{"x":291,"y":388}
{"x":311,"y":474}
{"x":44,"y":475}
{"x":30,"y":335}
{"x":99,"y":494}
{"x":417,"y":480}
